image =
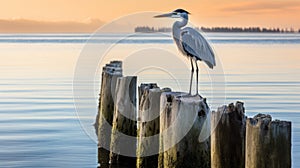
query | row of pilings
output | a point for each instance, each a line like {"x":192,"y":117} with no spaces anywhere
{"x":170,"y":129}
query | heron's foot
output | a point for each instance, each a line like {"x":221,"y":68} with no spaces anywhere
{"x":184,"y":95}
{"x":190,"y":95}
{"x":197,"y":95}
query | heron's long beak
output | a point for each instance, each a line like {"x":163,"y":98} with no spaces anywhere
{"x":164,"y":15}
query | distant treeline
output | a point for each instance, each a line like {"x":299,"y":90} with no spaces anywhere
{"x":147,"y":29}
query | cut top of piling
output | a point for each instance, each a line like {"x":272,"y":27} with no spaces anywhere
{"x":183,"y":97}
{"x":265,"y":121}
{"x":114,"y":67}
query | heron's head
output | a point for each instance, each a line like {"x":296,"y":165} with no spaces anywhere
{"x":178,"y":13}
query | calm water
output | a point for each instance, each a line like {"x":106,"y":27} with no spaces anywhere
{"x":39,"y":126}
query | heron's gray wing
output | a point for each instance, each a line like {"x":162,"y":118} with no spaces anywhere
{"x":194,"y":43}
{"x":188,"y":43}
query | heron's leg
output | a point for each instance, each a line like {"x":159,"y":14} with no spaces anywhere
{"x":192,"y":73}
{"x":197,"y":76}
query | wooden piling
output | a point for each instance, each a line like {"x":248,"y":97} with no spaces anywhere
{"x":124,"y":122}
{"x":182,"y":121}
{"x":143,"y":87}
{"x":148,"y":149}
{"x":181,"y":124}
{"x":268,"y":143}
{"x":104,"y":118}
{"x":228,"y":126}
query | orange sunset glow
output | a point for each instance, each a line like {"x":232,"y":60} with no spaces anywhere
{"x":88,"y":15}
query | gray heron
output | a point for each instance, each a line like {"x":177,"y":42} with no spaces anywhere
{"x":190,"y":43}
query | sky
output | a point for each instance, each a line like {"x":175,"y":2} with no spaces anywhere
{"x":88,"y":15}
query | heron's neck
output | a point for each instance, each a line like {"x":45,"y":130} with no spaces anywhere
{"x":176,"y":27}
{"x":180,"y":24}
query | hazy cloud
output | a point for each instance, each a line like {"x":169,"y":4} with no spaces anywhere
{"x":262,"y":7}
{"x":34,"y":26}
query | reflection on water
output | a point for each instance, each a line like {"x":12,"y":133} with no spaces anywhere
{"x":38,"y":122}
{"x":38,"y":126}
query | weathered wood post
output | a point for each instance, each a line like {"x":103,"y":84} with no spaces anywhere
{"x":124,"y":131}
{"x":228,"y":126}
{"x":184,"y":131}
{"x":268,"y":143}
{"x":148,"y":143}
{"x":103,"y":123}
{"x":143,"y":87}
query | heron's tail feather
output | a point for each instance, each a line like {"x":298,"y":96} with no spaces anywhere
{"x":210,"y":65}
